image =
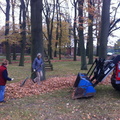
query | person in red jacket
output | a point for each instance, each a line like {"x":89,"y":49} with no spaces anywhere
{"x":3,"y":79}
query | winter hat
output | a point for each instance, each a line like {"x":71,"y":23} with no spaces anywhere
{"x":39,"y":54}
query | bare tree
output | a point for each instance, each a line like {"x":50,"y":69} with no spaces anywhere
{"x":75,"y":2}
{"x":57,"y":33}
{"x":49,"y":12}
{"x":81,"y":36}
{"x":60,"y":36}
{"x":105,"y":23}
{"x":23,"y":31}
{"x":7,"y":44}
{"x":90,"y":31}
{"x":36,"y":30}
{"x":13,"y":27}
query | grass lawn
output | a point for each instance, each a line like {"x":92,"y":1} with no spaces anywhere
{"x":58,"y":105}
{"x":62,"y":68}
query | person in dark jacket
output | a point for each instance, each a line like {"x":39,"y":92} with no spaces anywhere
{"x":37,"y":67}
{"x":3,"y":79}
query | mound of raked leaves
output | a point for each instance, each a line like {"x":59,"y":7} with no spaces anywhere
{"x":13,"y":90}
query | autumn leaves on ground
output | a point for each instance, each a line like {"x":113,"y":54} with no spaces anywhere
{"x":13,"y":90}
{"x":52,"y":99}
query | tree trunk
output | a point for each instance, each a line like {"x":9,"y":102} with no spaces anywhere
{"x":98,"y":44}
{"x":60,"y":36}
{"x":90,"y":33}
{"x":105,"y":23}
{"x":7,"y":44}
{"x":74,"y":30}
{"x":57,"y":33}
{"x":14,"y":51}
{"x":49,"y":22}
{"x":13,"y":22}
{"x":36,"y":30}
{"x":98,"y":27}
{"x":13,"y":15}
{"x":23,"y":33}
{"x":81,"y":36}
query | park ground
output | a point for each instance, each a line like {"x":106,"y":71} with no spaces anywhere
{"x":52,"y":99}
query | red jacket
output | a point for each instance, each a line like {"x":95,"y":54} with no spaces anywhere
{"x":3,"y":75}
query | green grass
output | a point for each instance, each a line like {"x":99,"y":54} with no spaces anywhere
{"x":58,"y":105}
{"x":60,"y":69}
{"x":19,"y":72}
{"x":64,"y":68}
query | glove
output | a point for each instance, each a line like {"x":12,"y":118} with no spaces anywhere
{"x":34,"y":70}
{"x":12,"y":79}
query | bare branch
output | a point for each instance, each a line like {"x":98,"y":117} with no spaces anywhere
{"x":113,"y":25}
{"x":114,"y":30}
{"x":115,"y":14}
{"x":45,"y":36}
{"x":2,"y":10}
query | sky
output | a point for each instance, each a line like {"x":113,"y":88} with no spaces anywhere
{"x":2,"y":15}
{"x":117,"y":32}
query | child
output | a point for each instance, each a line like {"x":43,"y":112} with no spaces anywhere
{"x":3,"y":79}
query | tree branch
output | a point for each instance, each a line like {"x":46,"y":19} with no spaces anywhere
{"x":2,"y":10}
{"x":113,"y":30}
{"x":45,"y":36}
{"x":113,"y":25}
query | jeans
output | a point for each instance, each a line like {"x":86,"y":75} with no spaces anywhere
{"x":38,"y":78}
{"x":2,"y":92}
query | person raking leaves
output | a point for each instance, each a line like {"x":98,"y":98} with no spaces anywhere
{"x":3,"y":79}
{"x":37,"y":67}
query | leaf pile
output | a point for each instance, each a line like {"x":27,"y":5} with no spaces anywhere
{"x":14,"y":90}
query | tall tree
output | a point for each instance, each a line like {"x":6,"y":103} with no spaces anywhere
{"x":81,"y":35}
{"x":13,"y":14}
{"x":23,"y":32}
{"x":75,"y":27}
{"x":13,"y":27}
{"x":7,"y":44}
{"x":90,"y":31}
{"x":57,"y":27}
{"x":97,"y":25}
{"x":60,"y":37}
{"x":105,"y":24}
{"x":36,"y":30}
{"x":49,"y":12}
